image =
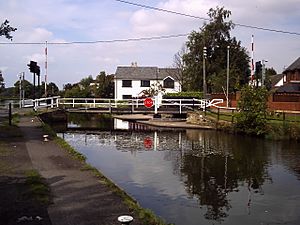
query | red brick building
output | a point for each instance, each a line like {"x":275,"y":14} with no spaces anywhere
{"x":285,"y":97}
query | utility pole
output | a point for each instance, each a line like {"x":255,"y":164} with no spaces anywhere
{"x":263,"y":72}
{"x":204,"y":75}
{"x":20,"y":90}
{"x":227,"y":86}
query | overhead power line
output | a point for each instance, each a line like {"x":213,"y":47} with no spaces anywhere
{"x":207,"y":19}
{"x":99,"y":41}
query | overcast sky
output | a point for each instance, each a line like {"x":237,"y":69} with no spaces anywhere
{"x":97,"y":20}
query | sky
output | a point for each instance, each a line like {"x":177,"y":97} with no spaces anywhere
{"x":65,"y":21}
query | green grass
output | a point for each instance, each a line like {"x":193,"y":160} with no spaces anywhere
{"x":38,"y":189}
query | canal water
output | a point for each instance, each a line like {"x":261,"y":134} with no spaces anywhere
{"x":191,"y":177}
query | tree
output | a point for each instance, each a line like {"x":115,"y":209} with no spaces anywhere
{"x":85,"y":82}
{"x":253,"y":108}
{"x":104,"y":85}
{"x":215,"y":36}
{"x":52,"y":89}
{"x":26,"y":86}
{"x":2,"y":84}
{"x":6,"y":29}
{"x":178,"y":63}
{"x":154,"y":90}
{"x":269,"y":72}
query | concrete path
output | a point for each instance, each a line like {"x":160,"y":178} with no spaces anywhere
{"x":78,"y":196}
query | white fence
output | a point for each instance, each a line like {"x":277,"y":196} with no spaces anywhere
{"x":110,"y":104}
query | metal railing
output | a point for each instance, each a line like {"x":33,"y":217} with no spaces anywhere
{"x":180,"y":105}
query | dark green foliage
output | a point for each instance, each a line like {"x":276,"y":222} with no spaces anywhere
{"x":104,"y":86}
{"x":6,"y":29}
{"x":186,"y":94}
{"x":215,"y":36}
{"x":253,"y":108}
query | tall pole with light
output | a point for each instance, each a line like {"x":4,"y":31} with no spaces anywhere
{"x":227,"y":84}
{"x":204,"y":75}
{"x":20,"y":89}
{"x":263,"y":72}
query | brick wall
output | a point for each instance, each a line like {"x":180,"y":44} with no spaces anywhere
{"x":272,"y":105}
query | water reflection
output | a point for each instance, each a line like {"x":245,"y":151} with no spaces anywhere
{"x":194,"y":177}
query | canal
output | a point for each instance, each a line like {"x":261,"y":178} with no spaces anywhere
{"x":191,"y":177}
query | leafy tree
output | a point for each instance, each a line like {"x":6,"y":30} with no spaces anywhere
{"x":104,"y":86}
{"x":269,"y":72}
{"x":6,"y":29}
{"x":253,"y":108}
{"x":215,"y":36}
{"x":77,"y":92}
{"x":154,"y":90}
{"x":52,"y":89}
{"x":85,"y":82}
{"x":26,"y":86}
{"x":68,"y":86}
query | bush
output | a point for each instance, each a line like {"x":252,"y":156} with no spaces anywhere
{"x":183,"y":94}
{"x":251,"y":118}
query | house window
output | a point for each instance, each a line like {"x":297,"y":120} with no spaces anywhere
{"x":126,"y":83}
{"x":145,"y":83}
{"x":168,"y":83}
{"x":126,"y":96}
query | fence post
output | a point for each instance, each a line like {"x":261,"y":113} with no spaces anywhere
{"x":73,"y":103}
{"x":218,"y":114}
{"x":283,"y":116}
{"x":132,"y":106}
{"x":232,"y":115}
{"x":180,"y":106}
{"x":109,"y":106}
{"x":9,"y":114}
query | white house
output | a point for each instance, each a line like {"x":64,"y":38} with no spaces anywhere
{"x":130,"y":81}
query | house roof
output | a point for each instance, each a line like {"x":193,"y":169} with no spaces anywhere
{"x":149,"y":73}
{"x":294,"y":66}
{"x":275,"y":79}
{"x":289,"y":87}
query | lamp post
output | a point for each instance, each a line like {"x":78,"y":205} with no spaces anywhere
{"x":263,"y":72}
{"x":20,"y":90}
{"x":204,"y":75}
{"x":227,"y":84}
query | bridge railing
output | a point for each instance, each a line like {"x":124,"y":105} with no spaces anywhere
{"x":132,"y":104}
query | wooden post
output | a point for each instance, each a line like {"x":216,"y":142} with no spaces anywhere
{"x":109,"y":106}
{"x":132,"y":106}
{"x":232,"y":117}
{"x":179,"y":106}
{"x":283,"y":116}
{"x":218,"y":114}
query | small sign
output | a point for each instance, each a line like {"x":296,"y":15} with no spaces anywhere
{"x":148,"y":142}
{"x":148,"y":102}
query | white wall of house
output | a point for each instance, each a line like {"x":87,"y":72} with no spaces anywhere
{"x":136,"y":88}
{"x":279,"y":83}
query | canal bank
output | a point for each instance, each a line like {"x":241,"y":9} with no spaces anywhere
{"x":79,"y":195}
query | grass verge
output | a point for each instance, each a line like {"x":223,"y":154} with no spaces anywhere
{"x":38,"y":189}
